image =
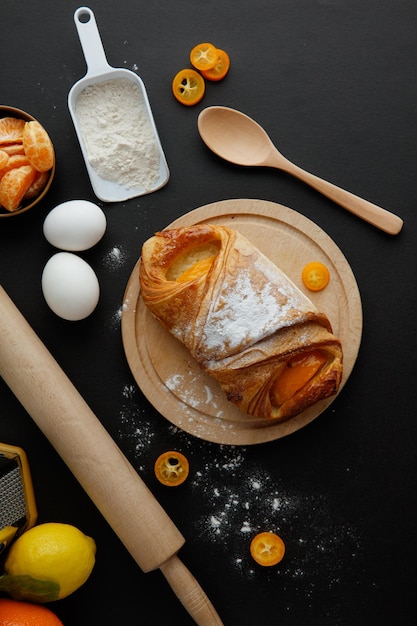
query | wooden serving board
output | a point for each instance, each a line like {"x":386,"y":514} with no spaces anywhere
{"x":166,"y":372}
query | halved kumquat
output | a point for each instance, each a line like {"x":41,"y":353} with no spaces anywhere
{"x":203,"y":56}
{"x":38,"y":146}
{"x":188,"y":87}
{"x":315,"y":276}
{"x":220,"y":68}
{"x":267,"y":549}
{"x":14,"y":184}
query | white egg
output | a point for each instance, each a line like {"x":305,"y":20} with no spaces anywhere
{"x":70,"y":286}
{"x":75,"y":225}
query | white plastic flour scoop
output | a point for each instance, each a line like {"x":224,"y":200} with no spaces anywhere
{"x":114,"y":123}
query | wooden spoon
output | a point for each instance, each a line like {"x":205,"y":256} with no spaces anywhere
{"x":237,"y":138}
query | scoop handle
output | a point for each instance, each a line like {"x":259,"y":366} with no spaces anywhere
{"x":85,"y":446}
{"x":91,"y":43}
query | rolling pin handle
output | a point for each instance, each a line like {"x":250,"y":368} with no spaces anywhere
{"x":190,"y":593}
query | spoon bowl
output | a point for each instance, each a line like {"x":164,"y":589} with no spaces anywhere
{"x":237,"y":138}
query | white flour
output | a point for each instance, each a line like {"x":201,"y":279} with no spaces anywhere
{"x":118,"y":134}
{"x":237,"y":498}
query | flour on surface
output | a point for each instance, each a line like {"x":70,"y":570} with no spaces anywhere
{"x":114,"y":258}
{"x":237,"y":499}
{"x":118,"y":133}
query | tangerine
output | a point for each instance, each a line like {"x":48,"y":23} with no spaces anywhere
{"x":12,"y":148}
{"x":38,"y":184}
{"x":14,"y":184}
{"x":16,"y":613}
{"x":38,"y":146}
{"x":11,"y":129}
{"x":17,"y":160}
{"x":4,"y":157}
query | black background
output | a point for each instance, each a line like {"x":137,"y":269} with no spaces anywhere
{"x":333,"y":82}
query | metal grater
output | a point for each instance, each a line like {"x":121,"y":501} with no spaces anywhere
{"x":17,"y":501}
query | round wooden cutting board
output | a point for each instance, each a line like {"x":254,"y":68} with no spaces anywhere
{"x":166,"y":372}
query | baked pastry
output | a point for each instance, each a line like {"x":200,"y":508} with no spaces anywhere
{"x":242,"y":319}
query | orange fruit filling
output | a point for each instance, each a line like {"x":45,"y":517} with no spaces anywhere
{"x":297,"y":372}
{"x":195,"y":271}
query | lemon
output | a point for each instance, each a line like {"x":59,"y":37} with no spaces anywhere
{"x":52,"y":556}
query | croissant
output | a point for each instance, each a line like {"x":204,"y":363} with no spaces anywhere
{"x":242,"y":319}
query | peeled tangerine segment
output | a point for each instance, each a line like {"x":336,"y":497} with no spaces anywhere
{"x":11,"y":129}
{"x":15,"y":161}
{"x":14,"y":184}
{"x":38,"y":146}
{"x":295,"y":375}
{"x":39,"y":182}
{"x":4,"y":157}
{"x":12,"y":148}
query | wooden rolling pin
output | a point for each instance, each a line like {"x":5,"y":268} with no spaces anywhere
{"x":103,"y":471}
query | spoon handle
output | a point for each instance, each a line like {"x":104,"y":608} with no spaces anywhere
{"x":375,"y":215}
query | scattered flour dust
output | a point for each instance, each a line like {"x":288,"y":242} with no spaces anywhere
{"x":118,"y":133}
{"x":114,"y":258}
{"x":134,"y":427}
{"x":243,"y":500}
{"x":237,"y":499}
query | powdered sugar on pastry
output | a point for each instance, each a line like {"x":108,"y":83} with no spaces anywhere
{"x":247,"y":313}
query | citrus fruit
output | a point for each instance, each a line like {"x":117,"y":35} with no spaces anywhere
{"x":315,"y":276}
{"x":4,"y":157}
{"x":48,"y":562}
{"x":14,"y":613}
{"x":38,"y":146}
{"x":171,"y":468}
{"x":14,"y":184}
{"x":11,"y":129}
{"x":267,"y":548}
